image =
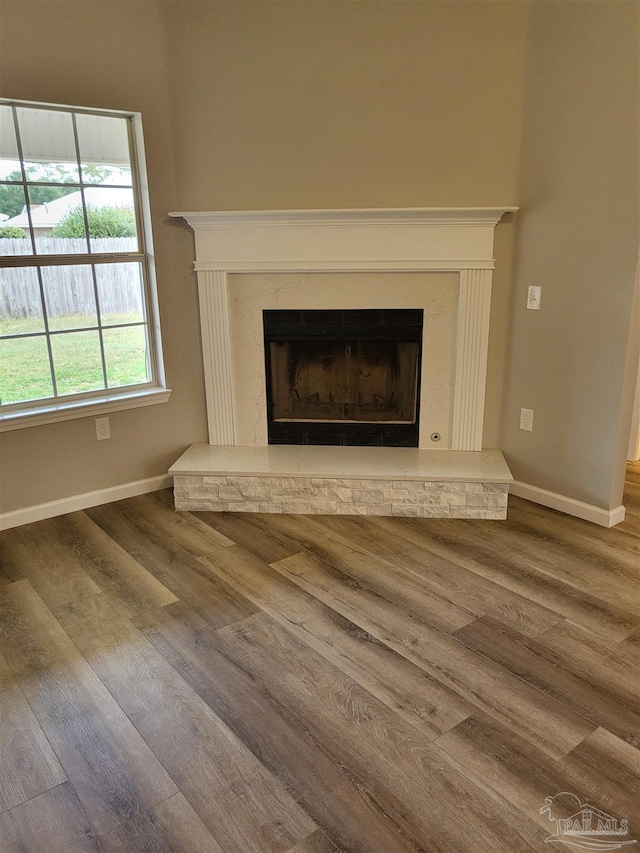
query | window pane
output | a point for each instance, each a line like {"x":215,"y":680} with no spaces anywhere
{"x":112,"y":220}
{"x":58,"y":225}
{"x":69,"y":296}
{"x":15,"y":237}
{"x":120,"y":293}
{"x":10,"y":170}
{"x":8,"y":144}
{"x":125,"y":353}
{"x":9,"y":160}
{"x":77,"y":362}
{"x":104,"y":149}
{"x":20,"y":304}
{"x":24,"y":370}
{"x":48,"y":145}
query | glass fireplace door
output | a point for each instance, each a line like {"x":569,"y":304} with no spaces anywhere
{"x":356,"y":381}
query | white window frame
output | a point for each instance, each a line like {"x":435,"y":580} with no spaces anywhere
{"x":59,"y":408}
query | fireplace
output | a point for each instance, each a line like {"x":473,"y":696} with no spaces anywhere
{"x":347,"y":377}
{"x":440,"y":260}
{"x":334,"y":327}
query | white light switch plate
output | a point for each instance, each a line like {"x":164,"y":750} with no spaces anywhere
{"x":534,"y":298}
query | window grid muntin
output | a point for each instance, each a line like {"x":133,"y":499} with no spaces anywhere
{"x":99,"y":327}
{"x":45,"y":318}
{"x":107,"y":387}
{"x":52,"y":332}
{"x":25,"y":183}
{"x":93,"y":271}
{"x":66,"y":184}
{"x":40,"y":260}
{"x":84,"y":207}
{"x":23,"y":172}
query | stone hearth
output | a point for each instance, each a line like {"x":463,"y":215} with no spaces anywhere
{"x":342,"y":481}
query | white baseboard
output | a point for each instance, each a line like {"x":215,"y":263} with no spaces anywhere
{"x":603,"y":517}
{"x":76,"y":502}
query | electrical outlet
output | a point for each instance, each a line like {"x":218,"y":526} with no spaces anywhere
{"x":526,"y":420}
{"x":534,"y":298}
{"x":103,"y":430}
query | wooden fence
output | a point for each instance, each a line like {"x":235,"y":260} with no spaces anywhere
{"x":69,"y":289}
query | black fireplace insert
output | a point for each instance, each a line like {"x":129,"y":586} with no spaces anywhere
{"x":343,"y":377}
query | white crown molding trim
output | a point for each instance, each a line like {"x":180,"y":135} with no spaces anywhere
{"x":458,"y":240}
{"x":38,"y":512}
{"x":570,"y":506}
{"x":349,"y":216}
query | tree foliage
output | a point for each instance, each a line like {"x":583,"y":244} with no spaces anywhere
{"x":103,"y":222}
{"x":12,"y":198}
{"x":12,"y":195}
{"x":8,"y":231}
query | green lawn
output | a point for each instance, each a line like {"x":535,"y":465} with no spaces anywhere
{"x":24,"y":362}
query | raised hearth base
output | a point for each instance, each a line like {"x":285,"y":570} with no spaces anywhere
{"x":343,"y":481}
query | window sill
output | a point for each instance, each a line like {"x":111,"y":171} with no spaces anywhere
{"x":50,"y":413}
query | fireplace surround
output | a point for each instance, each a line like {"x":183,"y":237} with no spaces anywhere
{"x":439,"y":261}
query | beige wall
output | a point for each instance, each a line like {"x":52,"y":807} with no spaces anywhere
{"x":272,"y":105}
{"x":346,"y":104}
{"x":578,"y":238}
{"x":354,"y":104}
{"x":107,"y":54}
{"x":366,"y":104}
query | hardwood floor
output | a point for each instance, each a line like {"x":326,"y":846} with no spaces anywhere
{"x":220,"y":683}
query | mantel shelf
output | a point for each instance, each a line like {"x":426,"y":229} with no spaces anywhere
{"x":354,"y":216}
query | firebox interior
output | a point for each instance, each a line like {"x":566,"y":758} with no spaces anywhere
{"x":343,"y":377}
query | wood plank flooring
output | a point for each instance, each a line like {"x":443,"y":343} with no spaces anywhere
{"x":225,"y":683}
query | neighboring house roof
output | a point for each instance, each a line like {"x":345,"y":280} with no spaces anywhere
{"x":51,"y":213}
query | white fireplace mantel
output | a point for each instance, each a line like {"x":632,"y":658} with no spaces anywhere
{"x":456,"y":240}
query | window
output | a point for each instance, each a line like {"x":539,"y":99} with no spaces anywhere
{"x":78,"y":316}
